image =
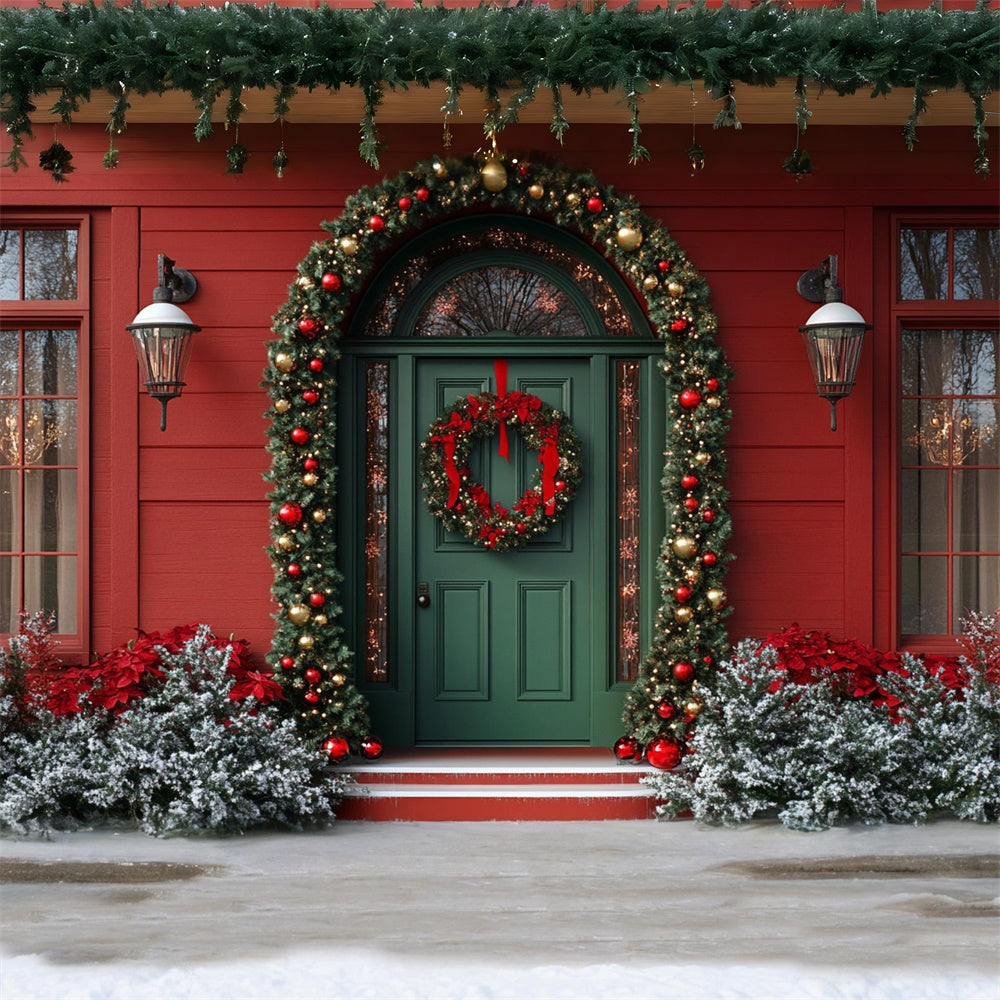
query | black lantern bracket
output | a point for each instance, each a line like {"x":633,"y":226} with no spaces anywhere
{"x":819,"y":284}
{"x":174,"y":284}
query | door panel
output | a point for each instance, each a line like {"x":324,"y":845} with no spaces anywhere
{"x":503,"y":652}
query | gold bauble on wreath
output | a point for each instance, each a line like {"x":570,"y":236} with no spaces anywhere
{"x":572,"y":199}
{"x":683,"y":615}
{"x":285,"y":542}
{"x":703,"y":458}
{"x":494,"y":175}
{"x":282,"y":406}
{"x":716,"y":596}
{"x":651,"y":282}
{"x":536,"y":191}
{"x":349,"y":246}
{"x":310,"y":479}
{"x":284,"y":362}
{"x":684,"y":546}
{"x":306,"y":642}
{"x":629,"y":238}
{"x":298,"y":614}
{"x":676,"y":289}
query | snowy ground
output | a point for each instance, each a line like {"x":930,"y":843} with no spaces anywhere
{"x":521,"y":910}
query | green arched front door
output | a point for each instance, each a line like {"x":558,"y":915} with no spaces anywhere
{"x":457,"y":644}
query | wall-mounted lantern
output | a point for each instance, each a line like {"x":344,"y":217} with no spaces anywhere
{"x":833,"y":334}
{"x":161,"y":334}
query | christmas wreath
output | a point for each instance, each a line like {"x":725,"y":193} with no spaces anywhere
{"x":465,"y":506}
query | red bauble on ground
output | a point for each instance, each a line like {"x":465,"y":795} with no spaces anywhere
{"x":290,"y":513}
{"x":690,"y":398}
{"x":683,"y":672}
{"x":664,"y":753}
{"x":627,"y":748}
{"x":371,"y":748}
{"x":330,"y":281}
{"x":594,"y":204}
{"x":336,"y":748}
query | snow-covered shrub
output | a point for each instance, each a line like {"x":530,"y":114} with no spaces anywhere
{"x":184,"y":758}
{"x":814,"y":754}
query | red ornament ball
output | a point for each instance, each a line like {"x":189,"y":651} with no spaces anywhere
{"x":689,"y":482}
{"x":666,"y":710}
{"x":310,"y":396}
{"x":683,"y":672}
{"x":299,"y":435}
{"x":423,"y":194}
{"x":287,"y":662}
{"x":682,"y":593}
{"x":712,"y":384}
{"x":330,"y":281}
{"x":311,"y":696}
{"x":521,"y":528}
{"x":308,"y":327}
{"x":709,"y":559}
{"x":691,"y":503}
{"x":405,"y":204}
{"x":663,"y":266}
{"x":290,"y":513}
{"x":312,"y":675}
{"x":679,"y":325}
{"x":294,"y":570}
{"x":317,"y":600}
{"x":336,"y":748}
{"x":627,"y":748}
{"x":310,"y":464}
{"x":371,"y":748}
{"x":690,"y":398}
{"x":376,"y":223}
{"x":316,"y":365}
{"x":594,"y":204}
{"x":708,"y":515}
{"x":560,"y":485}
{"x":664,"y":753}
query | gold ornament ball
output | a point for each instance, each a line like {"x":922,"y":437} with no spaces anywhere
{"x":684,"y":546}
{"x":319,"y":516}
{"x":440,"y":170}
{"x":339,"y":680}
{"x":629,"y":238}
{"x":703,"y":457}
{"x":284,"y":362}
{"x":713,"y":401}
{"x":298,"y":614}
{"x":306,"y":642}
{"x":349,"y":246}
{"x":304,"y":282}
{"x":319,"y":620}
{"x":693,"y":707}
{"x":536,"y":191}
{"x":572,"y":199}
{"x":716,"y":596}
{"x":676,"y":289}
{"x":494,"y":175}
{"x":310,"y":479}
{"x":650,"y":282}
{"x":285,"y":542}
{"x":692,"y":575}
{"x":683,"y":615}
{"x":282,"y":405}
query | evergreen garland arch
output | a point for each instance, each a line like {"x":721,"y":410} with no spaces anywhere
{"x":308,"y":650}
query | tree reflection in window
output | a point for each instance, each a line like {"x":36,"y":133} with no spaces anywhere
{"x":515,"y":299}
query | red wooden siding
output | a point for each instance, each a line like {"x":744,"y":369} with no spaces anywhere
{"x":180,"y":518}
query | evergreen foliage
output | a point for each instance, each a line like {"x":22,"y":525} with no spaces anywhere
{"x":213,"y":52}
{"x":185,"y":758}
{"x":816,"y":756}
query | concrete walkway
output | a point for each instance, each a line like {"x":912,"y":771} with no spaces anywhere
{"x":616,"y":909}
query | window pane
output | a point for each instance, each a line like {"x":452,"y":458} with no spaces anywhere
{"x":50,"y":432}
{"x":10,"y":588}
{"x":50,"y":585}
{"x":924,"y":595}
{"x":50,"y":495}
{"x":627,"y":381}
{"x":377,"y":522}
{"x":923,"y":264}
{"x":50,"y":263}
{"x":976,"y":586}
{"x":976,"y":431}
{"x":10,"y":264}
{"x":976,"y":510}
{"x":977,"y":264}
{"x":10,"y":432}
{"x":10,"y":515}
{"x":9,"y":340}
{"x":949,"y":362}
{"x":924,"y":510}
{"x":50,"y":362}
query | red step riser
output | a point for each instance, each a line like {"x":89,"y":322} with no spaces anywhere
{"x":390,"y":777}
{"x":451,"y":809}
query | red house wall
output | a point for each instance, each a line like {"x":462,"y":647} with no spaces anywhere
{"x":180,"y":520}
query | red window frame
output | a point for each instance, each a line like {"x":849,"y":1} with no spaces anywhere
{"x":913,"y":314}
{"x":28,"y":314}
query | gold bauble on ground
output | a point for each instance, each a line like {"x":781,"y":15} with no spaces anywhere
{"x":716,"y":596}
{"x":650,"y":282}
{"x":703,"y":457}
{"x":284,"y":362}
{"x":629,"y":238}
{"x":349,"y":246}
{"x":282,"y":405}
{"x":298,"y":614}
{"x":306,"y":642}
{"x":285,"y":542}
{"x":676,"y":289}
{"x":536,"y":191}
{"x":683,"y":615}
{"x":319,"y":515}
{"x":684,"y":546}
{"x":310,"y":479}
{"x":494,"y":175}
